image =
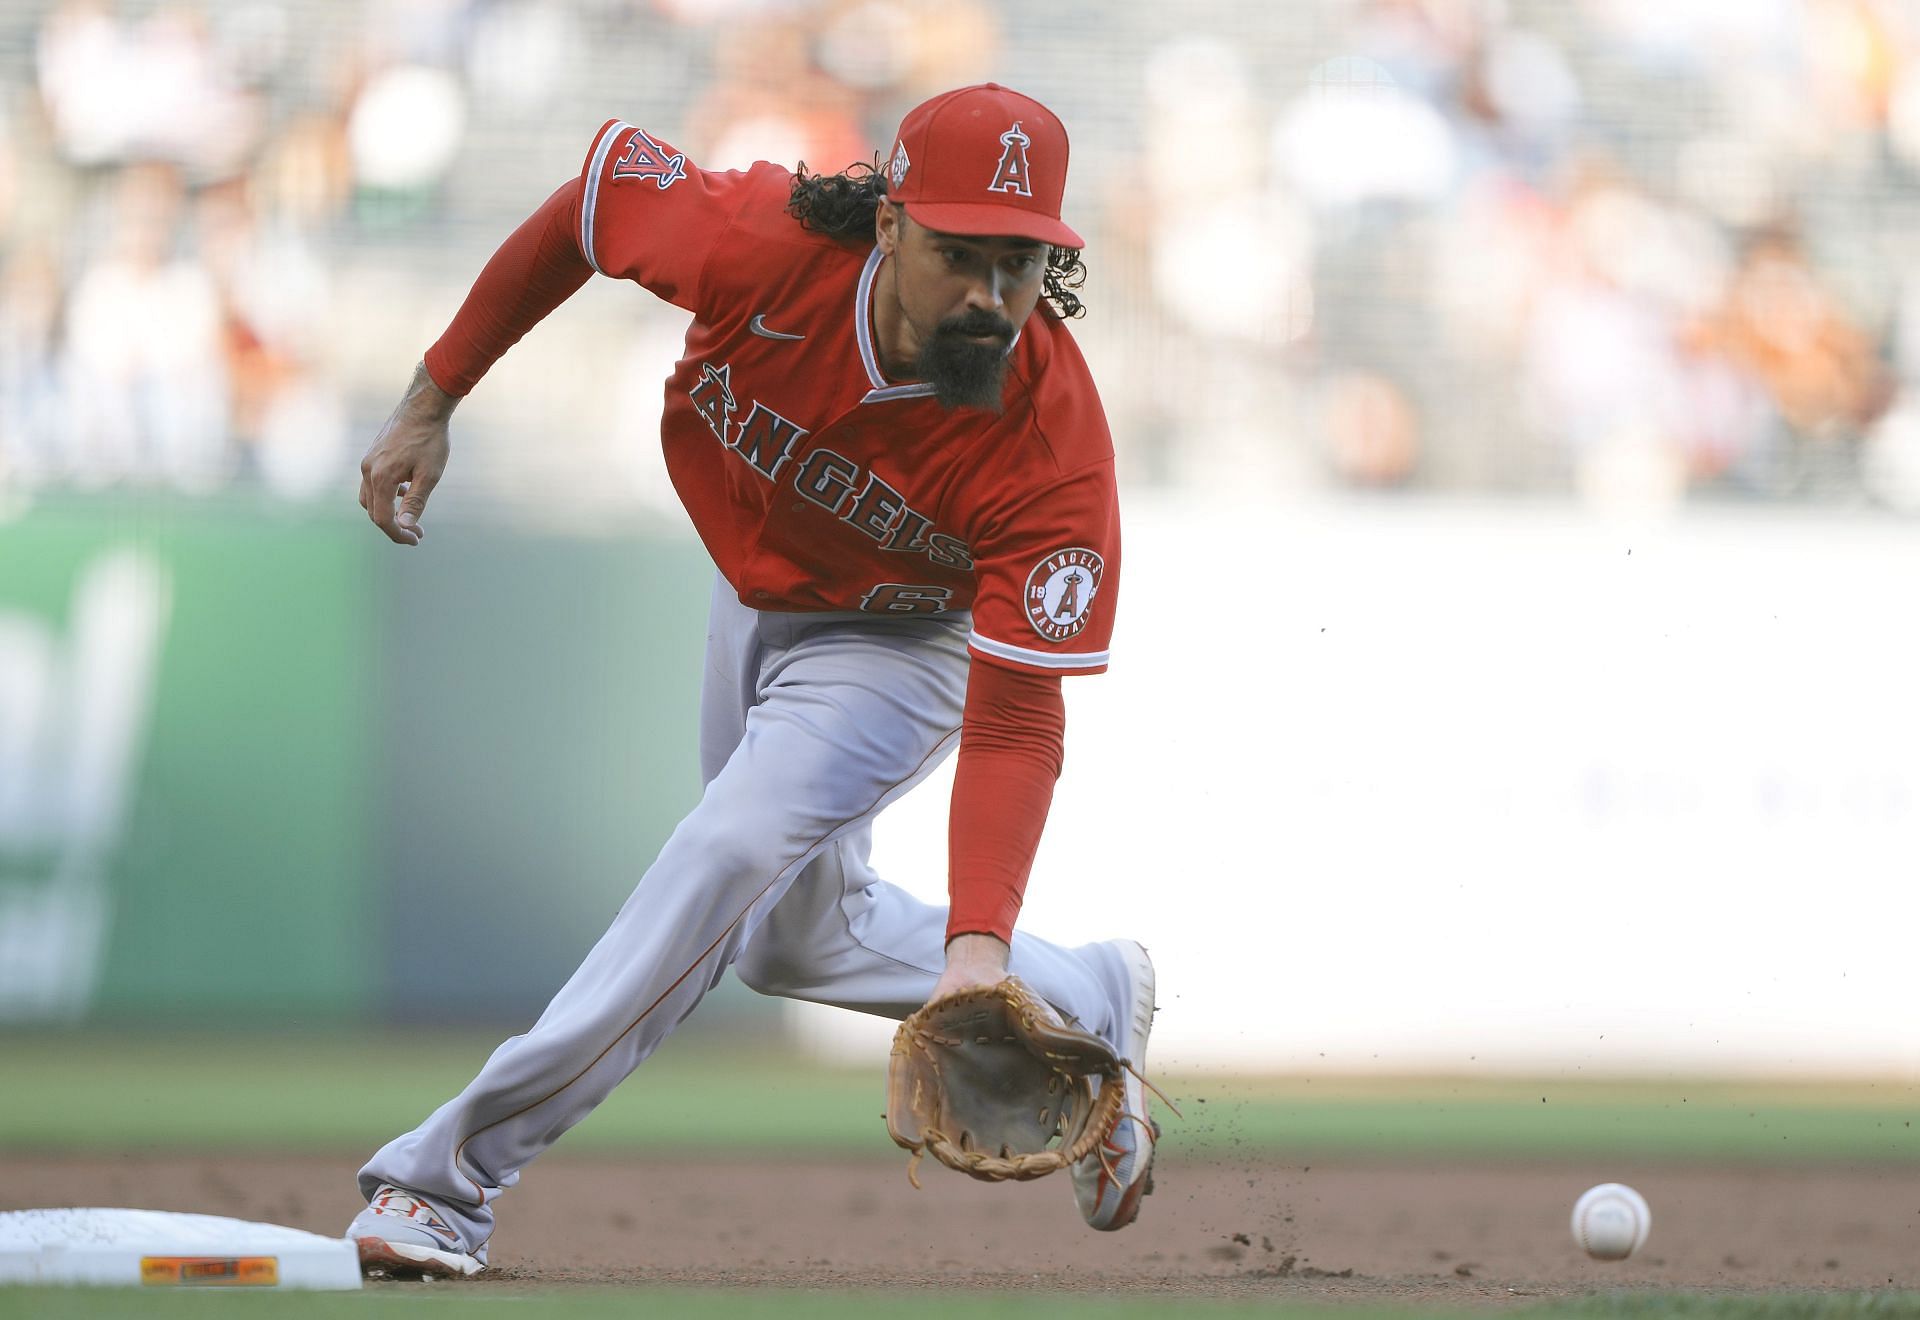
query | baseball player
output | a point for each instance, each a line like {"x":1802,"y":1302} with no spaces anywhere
{"x":897,"y":460}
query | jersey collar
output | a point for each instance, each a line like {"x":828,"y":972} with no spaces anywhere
{"x":863,"y":331}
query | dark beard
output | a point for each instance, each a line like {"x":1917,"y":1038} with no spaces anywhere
{"x":965,"y":374}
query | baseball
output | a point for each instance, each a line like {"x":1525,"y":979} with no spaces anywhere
{"x":1611,"y":1221}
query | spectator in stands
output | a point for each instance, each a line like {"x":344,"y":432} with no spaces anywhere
{"x":1783,"y":325}
{"x":146,"y":368}
{"x":32,"y":419}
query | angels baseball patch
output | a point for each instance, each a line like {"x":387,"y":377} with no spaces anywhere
{"x":1060,"y":592}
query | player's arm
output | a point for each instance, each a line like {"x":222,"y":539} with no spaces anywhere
{"x":535,"y":270}
{"x":1030,"y":629}
{"x":1011,"y":739}
{"x":638,"y":210}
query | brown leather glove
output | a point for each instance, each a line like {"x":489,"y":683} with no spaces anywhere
{"x":994,"y":1084}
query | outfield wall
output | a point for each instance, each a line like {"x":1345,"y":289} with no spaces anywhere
{"x":259,"y":768}
{"x":1387,"y":785}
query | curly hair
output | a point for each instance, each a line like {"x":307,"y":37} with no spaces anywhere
{"x":842,"y":206}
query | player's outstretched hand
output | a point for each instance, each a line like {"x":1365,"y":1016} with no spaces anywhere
{"x":407,"y":459}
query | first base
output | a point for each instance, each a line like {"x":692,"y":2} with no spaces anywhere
{"x":156,"y":1249}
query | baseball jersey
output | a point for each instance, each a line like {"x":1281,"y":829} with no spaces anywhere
{"x":817,"y":484}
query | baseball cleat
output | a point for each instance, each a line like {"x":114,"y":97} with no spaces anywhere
{"x":401,"y":1236}
{"x":1108,"y":1184}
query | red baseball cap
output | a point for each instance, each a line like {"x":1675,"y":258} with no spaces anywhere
{"x":983,"y":160}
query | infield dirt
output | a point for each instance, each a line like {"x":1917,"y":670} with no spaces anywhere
{"x":1464,"y":1233}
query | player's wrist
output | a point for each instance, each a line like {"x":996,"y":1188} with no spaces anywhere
{"x":978,"y":951}
{"x":426,"y":400}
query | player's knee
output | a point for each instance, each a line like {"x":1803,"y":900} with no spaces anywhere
{"x":765,"y":968}
{"x":724,"y":854}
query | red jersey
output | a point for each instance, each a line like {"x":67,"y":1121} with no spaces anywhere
{"x":814,"y":482}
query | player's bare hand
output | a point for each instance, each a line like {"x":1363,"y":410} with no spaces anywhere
{"x":407,"y":460}
{"x":973,"y":961}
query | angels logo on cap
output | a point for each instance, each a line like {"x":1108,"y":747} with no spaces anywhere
{"x":986,"y":160}
{"x":1012,"y":174}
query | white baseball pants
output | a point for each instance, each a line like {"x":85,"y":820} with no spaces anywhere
{"x":810,"y":725}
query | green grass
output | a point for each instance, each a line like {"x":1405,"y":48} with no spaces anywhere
{"x":414,"y":1303}
{"x":1504,"y":1118}
{"x":1697,"y":1306}
{"x":220,"y":1092}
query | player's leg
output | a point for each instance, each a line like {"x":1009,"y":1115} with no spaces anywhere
{"x":415,"y":1195}
{"x":842,"y":723}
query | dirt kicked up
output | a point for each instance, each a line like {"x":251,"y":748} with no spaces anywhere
{"x":1463,"y":1233}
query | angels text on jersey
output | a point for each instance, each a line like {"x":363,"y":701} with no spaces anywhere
{"x":861,"y":498}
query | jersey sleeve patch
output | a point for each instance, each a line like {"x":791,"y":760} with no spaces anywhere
{"x":648,"y":161}
{"x":1060,"y":591}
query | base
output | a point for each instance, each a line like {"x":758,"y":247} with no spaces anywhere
{"x":154,"y":1248}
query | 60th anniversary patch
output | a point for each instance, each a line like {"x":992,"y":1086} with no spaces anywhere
{"x":1060,"y":592}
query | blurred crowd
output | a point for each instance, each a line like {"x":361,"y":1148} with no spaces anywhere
{"x":1636,"y":250}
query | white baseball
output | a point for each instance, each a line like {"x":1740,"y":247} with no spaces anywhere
{"x":1611,"y":1221}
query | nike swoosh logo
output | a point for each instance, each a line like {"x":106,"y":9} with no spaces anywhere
{"x":759,"y":326}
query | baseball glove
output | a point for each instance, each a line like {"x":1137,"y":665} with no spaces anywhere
{"x":994,"y":1084}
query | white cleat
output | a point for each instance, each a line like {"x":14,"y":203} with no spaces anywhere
{"x":1109,"y":1183}
{"x":400,"y":1235}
